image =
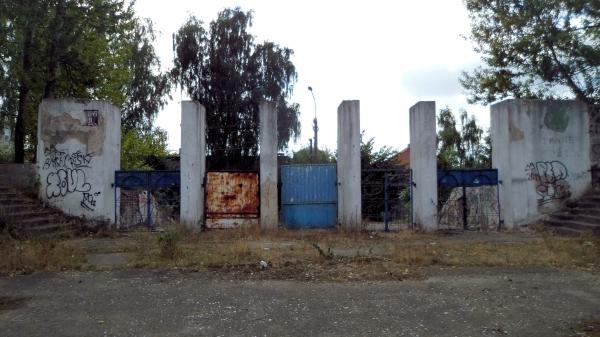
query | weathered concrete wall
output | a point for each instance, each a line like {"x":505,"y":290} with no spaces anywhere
{"x":423,"y":164}
{"x":193,"y":163}
{"x":541,"y":150}
{"x":79,"y":150}
{"x":268,"y":165}
{"x":348,"y":166}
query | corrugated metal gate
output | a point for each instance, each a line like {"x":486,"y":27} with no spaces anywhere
{"x":309,"y":196}
{"x":232,"y":199}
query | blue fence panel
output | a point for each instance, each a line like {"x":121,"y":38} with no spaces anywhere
{"x":309,"y":196}
{"x":131,"y":179}
{"x":467,"y":178}
{"x":164,"y":179}
{"x":147,"y":179}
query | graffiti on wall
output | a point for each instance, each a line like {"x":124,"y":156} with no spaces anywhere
{"x":550,"y":179}
{"x":67,"y":174}
{"x":89,"y":200}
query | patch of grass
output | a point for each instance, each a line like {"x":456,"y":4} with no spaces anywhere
{"x":324,"y":237}
{"x":28,"y":256}
{"x":311,"y":255}
{"x":552,"y":251}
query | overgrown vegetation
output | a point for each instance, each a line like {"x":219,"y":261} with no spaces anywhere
{"x":325,"y":255}
{"x":168,"y":244}
{"x":371,"y":159}
{"x":306,"y":255}
{"x":90,"y":49}
{"x":467,"y":147}
{"x":222,"y":66}
{"x":535,"y":49}
{"x":550,"y":252}
{"x":305,"y":156}
{"x":28,"y":256}
{"x":138,"y":147}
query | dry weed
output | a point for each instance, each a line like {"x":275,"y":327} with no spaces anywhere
{"x":27,"y":256}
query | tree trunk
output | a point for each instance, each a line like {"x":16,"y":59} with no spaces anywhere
{"x":54,"y":49}
{"x":23,"y":95}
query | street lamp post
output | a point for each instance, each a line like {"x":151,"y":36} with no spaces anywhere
{"x":315,"y":125}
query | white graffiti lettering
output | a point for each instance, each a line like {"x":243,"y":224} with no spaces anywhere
{"x":65,"y":181}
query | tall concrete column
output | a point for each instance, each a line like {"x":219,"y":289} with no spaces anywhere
{"x":348,"y":166}
{"x":193,"y":163}
{"x":268,"y":165}
{"x":423,"y":165}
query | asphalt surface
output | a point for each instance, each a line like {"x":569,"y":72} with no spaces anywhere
{"x":458,"y":302}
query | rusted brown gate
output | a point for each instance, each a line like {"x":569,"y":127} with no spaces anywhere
{"x":232,"y":199}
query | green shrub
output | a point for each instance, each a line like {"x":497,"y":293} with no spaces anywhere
{"x":168,"y":244}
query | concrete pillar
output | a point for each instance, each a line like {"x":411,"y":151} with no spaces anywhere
{"x":348,"y":166}
{"x":79,"y":150}
{"x":423,"y":164}
{"x":268,"y":165}
{"x":193,"y":163}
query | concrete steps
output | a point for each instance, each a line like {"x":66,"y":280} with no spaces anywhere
{"x":25,"y":215}
{"x":578,"y":217}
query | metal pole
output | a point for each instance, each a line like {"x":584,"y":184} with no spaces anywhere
{"x":148,"y":210}
{"x":385,"y":202}
{"x":116,"y":201}
{"x":464,"y":189}
{"x":315,"y":126}
{"x":410,"y":192}
{"x":498,"y":199}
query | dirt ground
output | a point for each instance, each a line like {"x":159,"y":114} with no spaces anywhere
{"x":450,"y":302}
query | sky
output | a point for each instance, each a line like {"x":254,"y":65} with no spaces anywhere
{"x":387,"y":54}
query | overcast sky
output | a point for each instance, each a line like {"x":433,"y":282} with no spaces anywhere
{"x":387,"y":54}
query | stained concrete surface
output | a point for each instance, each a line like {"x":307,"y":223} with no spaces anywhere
{"x":455,"y":302}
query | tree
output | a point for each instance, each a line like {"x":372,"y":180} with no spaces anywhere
{"x":138,"y":146}
{"x":146,"y":91}
{"x":468,"y":148}
{"x":535,"y":49}
{"x":373,"y":183}
{"x":225,"y":70}
{"x":305,"y":156}
{"x":90,"y":49}
{"x":375,"y":159}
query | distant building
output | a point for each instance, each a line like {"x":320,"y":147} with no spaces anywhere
{"x":403,"y":158}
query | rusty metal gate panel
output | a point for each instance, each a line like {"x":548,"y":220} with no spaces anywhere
{"x":232,"y":199}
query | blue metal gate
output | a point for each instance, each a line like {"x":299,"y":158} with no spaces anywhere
{"x":455,"y":201}
{"x":146,"y":197}
{"x":309,"y":196}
